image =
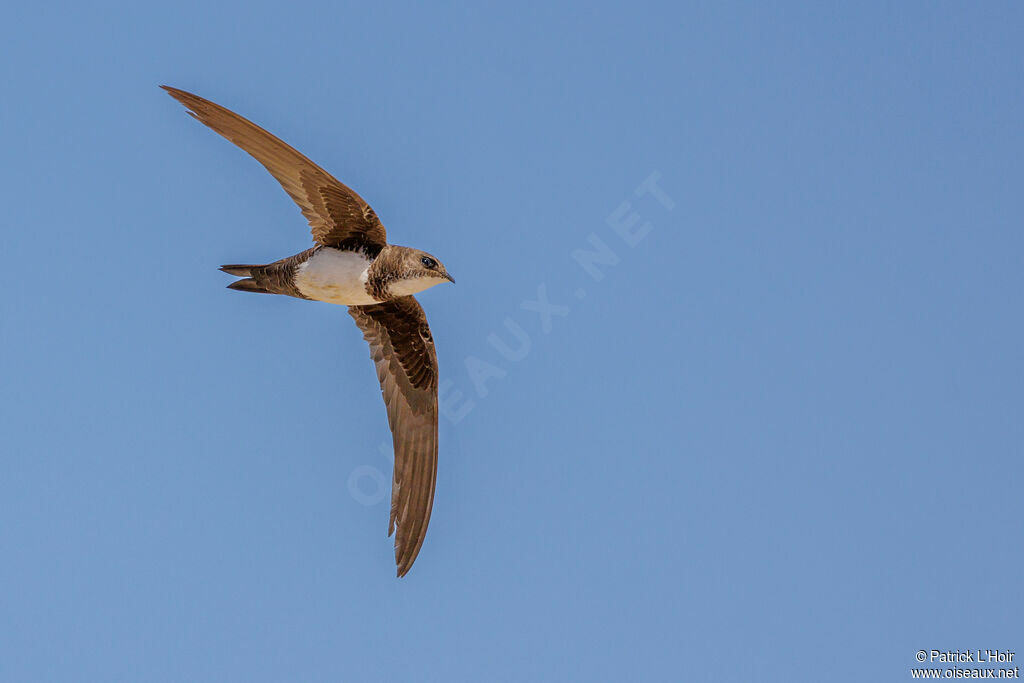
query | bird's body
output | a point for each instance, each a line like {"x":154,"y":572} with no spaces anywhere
{"x":337,"y":276}
{"x":345,"y":276}
{"x":353,"y":265}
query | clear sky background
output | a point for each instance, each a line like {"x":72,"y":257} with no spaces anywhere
{"x":779,"y":439}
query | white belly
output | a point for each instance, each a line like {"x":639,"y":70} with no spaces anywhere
{"x":335,"y":276}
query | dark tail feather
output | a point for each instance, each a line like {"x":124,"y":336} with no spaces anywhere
{"x":238,"y":270}
{"x":249,"y":285}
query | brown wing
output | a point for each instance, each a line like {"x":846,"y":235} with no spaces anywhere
{"x":403,"y":351}
{"x":335,"y":212}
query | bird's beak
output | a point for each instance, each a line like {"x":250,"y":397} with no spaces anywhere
{"x":449,"y":278}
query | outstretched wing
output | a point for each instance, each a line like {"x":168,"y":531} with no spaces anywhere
{"x":335,"y":212}
{"x":403,"y":351}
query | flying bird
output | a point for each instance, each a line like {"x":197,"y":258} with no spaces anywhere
{"x":353,"y":265}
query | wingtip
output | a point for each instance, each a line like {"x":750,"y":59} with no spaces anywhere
{"x":177,"y":93}
{"x":183,"y":96}
{"x":402,"y":561}
{"x":405,"y":560}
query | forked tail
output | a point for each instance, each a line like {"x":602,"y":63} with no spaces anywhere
{"x":249,"y":284}
{"x":269,"y":278}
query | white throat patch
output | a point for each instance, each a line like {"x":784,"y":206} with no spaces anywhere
{"x":412,"y":285}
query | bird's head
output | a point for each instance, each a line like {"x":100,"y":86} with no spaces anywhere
{"x":417,"y":271}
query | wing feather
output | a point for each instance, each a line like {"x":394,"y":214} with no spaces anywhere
{"x":402,"y":350}
{"x":336,"y":214}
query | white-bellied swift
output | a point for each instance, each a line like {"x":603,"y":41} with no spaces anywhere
{"x":353,"y":265}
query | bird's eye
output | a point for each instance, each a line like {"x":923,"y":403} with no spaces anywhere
{"x":428,"y":262}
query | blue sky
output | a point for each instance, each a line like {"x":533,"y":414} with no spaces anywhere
{"x":779,"y":438}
